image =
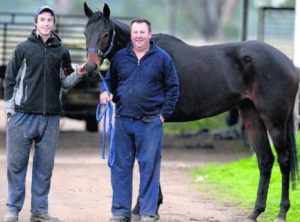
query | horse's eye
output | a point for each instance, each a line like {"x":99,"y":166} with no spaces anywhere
{"x":247,"y":59}
{"x":106,"y":35}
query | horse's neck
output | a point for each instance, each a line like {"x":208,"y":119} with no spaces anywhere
{"x":122,"y":35}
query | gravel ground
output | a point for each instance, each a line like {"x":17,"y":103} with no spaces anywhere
{"x":81,"y":190}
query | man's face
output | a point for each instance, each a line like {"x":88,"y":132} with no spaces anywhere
{"x":140,"y":36}
{"x":44,"y":24}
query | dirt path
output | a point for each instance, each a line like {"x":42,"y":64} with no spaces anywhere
{"x":81,"y":188}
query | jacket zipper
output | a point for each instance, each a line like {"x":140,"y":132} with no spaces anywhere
{"x":45,"y":75}
{"x":26,"y":93}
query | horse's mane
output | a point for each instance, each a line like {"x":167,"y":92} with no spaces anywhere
{"x":166,"y":39}
{"x":163,"y":36}
{"x":157,"y":36}
{"x":123,"y":26}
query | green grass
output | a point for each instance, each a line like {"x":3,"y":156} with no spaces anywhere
{"x":238,"y":181}
{"x":210,"y":123}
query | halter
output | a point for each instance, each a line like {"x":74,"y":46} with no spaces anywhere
{"x":99,"y":51}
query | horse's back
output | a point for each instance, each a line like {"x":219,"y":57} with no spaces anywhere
{"x":216,"y":77}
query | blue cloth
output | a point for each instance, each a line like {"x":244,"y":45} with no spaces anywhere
{"x":142,"y":90}
{"x":143,"y":87}
{"x":135,"y":138}
{"x":24,"y":130}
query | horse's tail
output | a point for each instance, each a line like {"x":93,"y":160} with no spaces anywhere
{"x":292,"y":148}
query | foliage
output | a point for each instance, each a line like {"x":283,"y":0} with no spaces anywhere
{"x":230,"y":31}
{"x":208,"y":123}
{"x":187,"y":19}
{"x":298,"y":144}
{"x":238,"y":181}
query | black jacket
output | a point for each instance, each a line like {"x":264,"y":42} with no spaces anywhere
{"x":35,"y":75}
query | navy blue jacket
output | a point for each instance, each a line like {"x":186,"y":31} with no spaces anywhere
{"x":143,"y":88}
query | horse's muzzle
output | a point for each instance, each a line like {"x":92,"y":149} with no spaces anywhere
{"x":92,"y":69}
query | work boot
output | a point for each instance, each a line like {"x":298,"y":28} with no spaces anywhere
{"x":11,"y":216}
{"x":43,"y":218}
{"x":120,"y":219}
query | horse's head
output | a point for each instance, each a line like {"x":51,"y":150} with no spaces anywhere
{"x":99,"y":33}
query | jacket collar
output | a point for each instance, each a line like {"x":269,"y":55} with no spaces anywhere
{"x":53,"y":39}
{"x":151,"y":49}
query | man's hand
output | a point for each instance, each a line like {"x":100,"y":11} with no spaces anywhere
{"x":162,"y":119}
{"x":81,"y":70}
{"x":105,"y":97}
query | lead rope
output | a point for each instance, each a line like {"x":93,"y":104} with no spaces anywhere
{"x":107,"y":111}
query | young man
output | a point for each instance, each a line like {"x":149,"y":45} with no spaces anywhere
{"x":144,"y":84}
{"x":39,"y":68}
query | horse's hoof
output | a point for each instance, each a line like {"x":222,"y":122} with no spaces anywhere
{"x":280,"y":220}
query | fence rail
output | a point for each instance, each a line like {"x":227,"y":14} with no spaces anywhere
{"x":16,"y":27}
{"x":276,"y":27}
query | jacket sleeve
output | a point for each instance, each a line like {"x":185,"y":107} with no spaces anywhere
{"x":70,"y":80}
{"x":68,"y":76}
{"x":11,"y":79}
{"x":171,"y":86}
{"x":67,"y":63}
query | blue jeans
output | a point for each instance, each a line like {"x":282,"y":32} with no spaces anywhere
{"x":24,"y":130}
{"x":135,"y":138}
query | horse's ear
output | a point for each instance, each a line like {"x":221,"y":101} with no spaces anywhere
{"x":106,"y":11}
{"x":88,"y":12}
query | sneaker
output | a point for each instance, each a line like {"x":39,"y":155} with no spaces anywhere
{"x":43,"y":218}
{"x":149,"y":218}
{"x":11,"y":217}
{"x":120,"y":219}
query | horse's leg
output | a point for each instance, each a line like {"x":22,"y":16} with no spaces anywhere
{"x":278,"y":138}
{"x":258,"y":138}
{"x":136,"y":209}
{"x":160,"y":199}
{"x":284,"y":142}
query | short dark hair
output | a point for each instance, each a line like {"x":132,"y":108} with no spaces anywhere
{"x":141,"y":20}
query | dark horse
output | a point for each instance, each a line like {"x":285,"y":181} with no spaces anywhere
{"x":257,"y":79}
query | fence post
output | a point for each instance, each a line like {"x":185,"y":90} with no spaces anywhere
{"x":4,"y":43}
{"x":296,"y":58}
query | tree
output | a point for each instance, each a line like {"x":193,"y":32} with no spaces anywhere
{"x":212,"y":17}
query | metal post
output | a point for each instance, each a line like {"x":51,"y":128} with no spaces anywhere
{"x":173,"y":15}
{"x":261,"y":24}
{"x":297,"y":35}
{"x":245,"y":20}
{"x":296,"y":58}
{"x":4,"y":46}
